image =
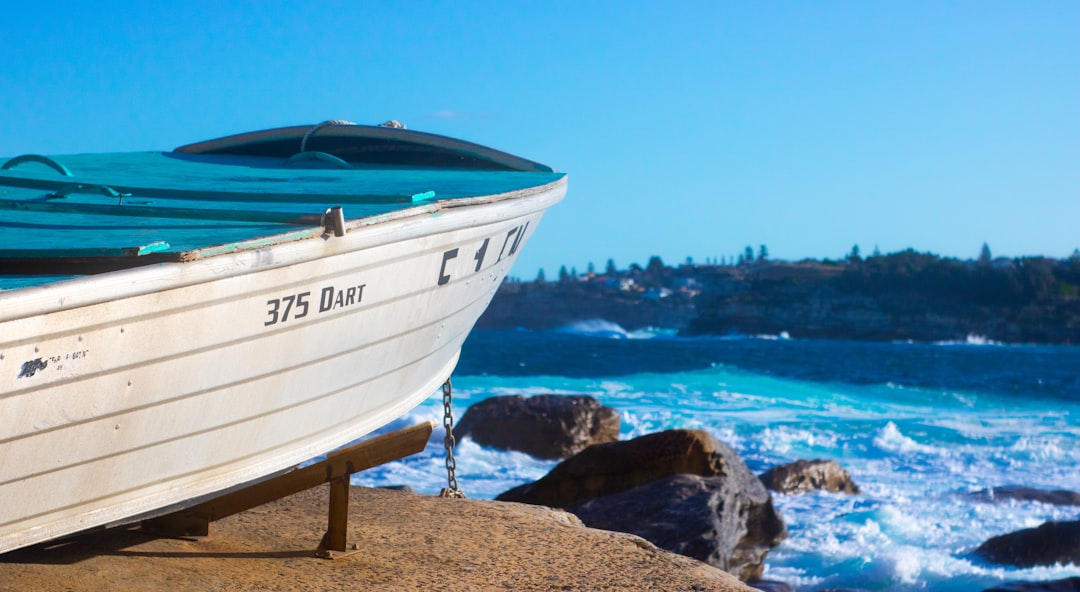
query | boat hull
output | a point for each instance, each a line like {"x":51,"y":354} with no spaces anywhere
{"x":140,"y":389}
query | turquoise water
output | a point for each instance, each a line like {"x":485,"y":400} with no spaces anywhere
{"x":915,"y":424}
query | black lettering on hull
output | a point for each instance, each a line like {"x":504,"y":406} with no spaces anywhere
{"x":444,"y":278}
{"x":326,"y":299}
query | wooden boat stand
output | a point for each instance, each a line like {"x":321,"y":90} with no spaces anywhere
{"x":335,"y":470}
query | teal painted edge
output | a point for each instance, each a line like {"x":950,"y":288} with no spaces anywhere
{"x":424,"y":196}
{"x":61,"y":207}
{"x":155,"y":247}
{"x":161,"y":246}
{"x":199,"y":195}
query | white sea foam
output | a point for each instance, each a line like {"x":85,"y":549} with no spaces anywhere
{"x":972,"y":339}
{"x":504,"y":391}
{"x":596,"y":328}
{"x":783,"y":335}
{"x":890,"y":439}
{"x":792,"y":441}
{"x":793,"y":576}
{"x":609,"y":330}
{"x":613,"y":388}
{"x":1045,"y":448}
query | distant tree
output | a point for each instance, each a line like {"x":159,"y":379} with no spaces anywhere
{"x":763,"y":253}
{"x":854,"y":256}
{"x":610,"y":269}
{"x":573,"y":273}
{"x":655,"y":265}
{"x":591,"y":270}
{"x":689,"y":261}
{"x":540,"y":276}
{"x":748,"y":254}
{"x":877,"y":252}
{"x":984,"y":256}
{"x":741,"y":261}
{"x":564,"y":276}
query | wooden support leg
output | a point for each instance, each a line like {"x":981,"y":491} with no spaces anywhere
{"x":337,"y":528}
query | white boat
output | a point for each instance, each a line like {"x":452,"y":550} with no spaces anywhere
{"x":209,"y":318}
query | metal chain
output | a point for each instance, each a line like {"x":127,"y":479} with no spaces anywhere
{"x":448,"y":441}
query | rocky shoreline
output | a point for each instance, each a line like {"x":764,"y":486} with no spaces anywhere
{"x":691,"y":494}
{"x":895,"y":297}
{"x":674,"y":510}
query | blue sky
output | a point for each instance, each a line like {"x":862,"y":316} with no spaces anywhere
{"x":688,"y":129}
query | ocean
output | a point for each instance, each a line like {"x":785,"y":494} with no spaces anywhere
{"x":917,"y":425}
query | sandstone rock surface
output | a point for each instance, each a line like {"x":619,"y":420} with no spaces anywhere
{"x":407,"y":542}
{"x":809,"y":475}
{"x":545,"y":426}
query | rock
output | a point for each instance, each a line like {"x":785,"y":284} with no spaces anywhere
{"x":809,"y":475}
{"x":609,"y":468}
{"x":545,"y":426}
{"x":1057,"y":497}
{"x":772,"y":586}
{"x":682,"y":490}
{"x":1050,"y":543}
{"x":409,"y":542}
{"x":1066,"y":585}
{"x":707,"y":518}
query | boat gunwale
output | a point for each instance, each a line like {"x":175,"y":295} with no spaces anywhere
{"x":289,"y":248}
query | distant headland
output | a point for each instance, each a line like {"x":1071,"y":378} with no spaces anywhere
{"x":898,"y":296}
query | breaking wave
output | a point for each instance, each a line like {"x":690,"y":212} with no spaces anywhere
{"x":972,"y":340}
{"x":609,"y":330}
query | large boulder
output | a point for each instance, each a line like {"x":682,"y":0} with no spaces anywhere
{"x":1066,"y":585}
{"x":1050,"y":543}
{"x":682,"y":490}
{"x":609,"y":468}
{"x":809,"y":475}
{"x":1056,"y":497}
{"x":712,"y":519}
{"x":545,"y":426}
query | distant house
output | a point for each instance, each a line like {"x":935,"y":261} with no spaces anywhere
{"x":686,"y":284}
{"x":656,"y":293}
